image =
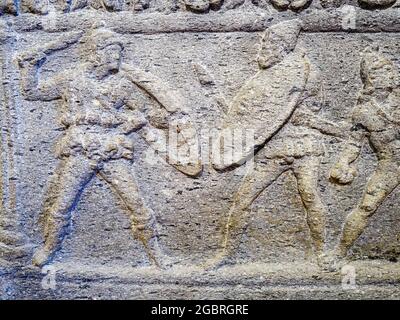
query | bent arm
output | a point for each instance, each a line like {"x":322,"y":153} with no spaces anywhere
{"x":311,"y":102}
{"x":343,"y":172}
{"x":173,"y":107}
{"x":306,"y":118}
{"x":30,"y":63}
{"x":33,"y":89}
{"x":168,"y":98}
{"x":354,"y":144}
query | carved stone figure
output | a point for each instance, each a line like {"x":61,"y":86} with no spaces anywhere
{"x":376,"y":120}
{"x":102,"y":105}
{"x":286,"y":91}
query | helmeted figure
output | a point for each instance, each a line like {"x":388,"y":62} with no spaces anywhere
{"x":102,"y":101}
{"x":280,"y":104}
{"x":375,"y":119}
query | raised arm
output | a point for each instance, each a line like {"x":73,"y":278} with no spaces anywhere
{"x":172,"y":106}
{"x":30,"y":62}
{"x":168,"y":98}
{"x":33,"y":89}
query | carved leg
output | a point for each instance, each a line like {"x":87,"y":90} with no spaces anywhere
{"x":380,"y":185}
{"x":71,"y":177}
{"x":255,"y":182}
{"x":123,"y":182}
{"x":307,"y":172}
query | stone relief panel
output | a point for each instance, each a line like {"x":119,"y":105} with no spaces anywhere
{"x":189,"y":147}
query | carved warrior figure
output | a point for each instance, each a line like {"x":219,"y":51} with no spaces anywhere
{"x":103,"y":101}
{"x":280,"y":104}
{"x":376,"y":120}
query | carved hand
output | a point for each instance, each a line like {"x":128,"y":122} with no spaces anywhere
{"x":343,"y":173}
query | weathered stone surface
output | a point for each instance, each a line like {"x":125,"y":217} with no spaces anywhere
{"x":199,"y":149}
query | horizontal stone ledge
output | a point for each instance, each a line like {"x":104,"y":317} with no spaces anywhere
{"x":345,"y":19}
{"x":373,"y":279}
{"x":112,"y":290}
{"x":373,"y":272}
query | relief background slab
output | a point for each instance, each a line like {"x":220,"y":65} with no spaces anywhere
{"x":192,"y":212}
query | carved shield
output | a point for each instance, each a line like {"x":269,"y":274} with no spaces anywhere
{"x":259,"y":110}
{"x":177,"y":142}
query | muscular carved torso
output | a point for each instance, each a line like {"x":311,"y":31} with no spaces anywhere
{"x":299,"y":139}
{"x":381,"y":125}
{"x":99,"y":104}
{"x":97,"y":116}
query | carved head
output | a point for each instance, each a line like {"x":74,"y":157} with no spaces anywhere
{"x":377,"y":72}
{"x":277,"y":42}
{"x":102,"y":49}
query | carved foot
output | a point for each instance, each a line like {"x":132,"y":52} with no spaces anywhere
{"x":163,"y":261}
{"x":216,"y":262}
{"x":331,"y":261}
{"x":41,"y":257}
{"x":157,"y":257}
